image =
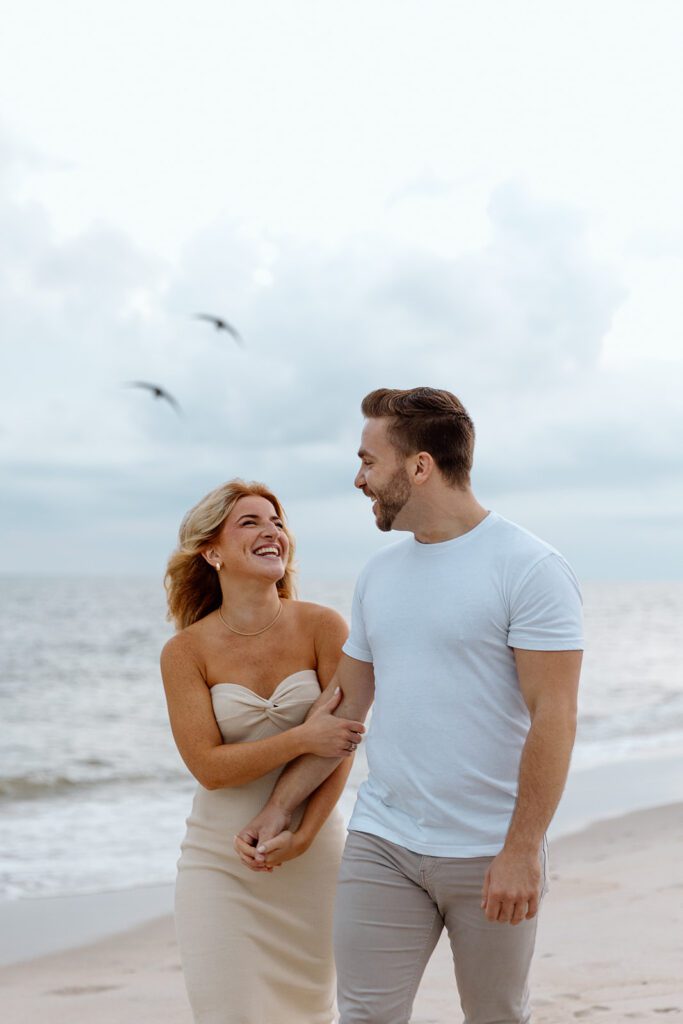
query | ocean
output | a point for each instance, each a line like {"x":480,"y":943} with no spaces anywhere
{"x":93,"y":794}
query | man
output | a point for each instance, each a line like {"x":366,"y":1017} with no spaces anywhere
{"x":468,"y":635}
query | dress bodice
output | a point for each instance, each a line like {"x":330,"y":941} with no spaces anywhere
{"x":242,"y":714}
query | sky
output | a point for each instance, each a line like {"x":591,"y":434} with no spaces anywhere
{"x":483,"y":197}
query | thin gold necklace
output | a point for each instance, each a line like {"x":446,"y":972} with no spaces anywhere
{"x":241,"y":632}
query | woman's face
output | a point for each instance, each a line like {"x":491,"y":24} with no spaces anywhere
{"x":253,"y":540}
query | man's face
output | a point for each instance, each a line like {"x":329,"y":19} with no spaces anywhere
{"x":382,"y":475}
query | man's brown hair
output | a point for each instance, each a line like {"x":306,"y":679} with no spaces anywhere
{"x":427,"y":420}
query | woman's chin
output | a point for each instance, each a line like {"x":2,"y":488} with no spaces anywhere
{"x":274,"y":570}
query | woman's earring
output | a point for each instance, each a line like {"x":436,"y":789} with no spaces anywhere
{"x":218,"y":566}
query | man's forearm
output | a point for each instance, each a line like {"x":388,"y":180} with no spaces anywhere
{"x":299,"y":779}
{"x":356,"y":682}
{"x":303,"y":776}
{"x":321,"y":803}
{"x":542,"y":775}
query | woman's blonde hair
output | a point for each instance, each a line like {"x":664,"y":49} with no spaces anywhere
{"x":192,"y":587}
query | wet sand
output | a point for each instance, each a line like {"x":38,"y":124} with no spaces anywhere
{"x":610,"y":944}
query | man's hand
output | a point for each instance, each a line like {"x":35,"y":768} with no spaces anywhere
{"x":268,"y":824}
{"x":512,"y":887}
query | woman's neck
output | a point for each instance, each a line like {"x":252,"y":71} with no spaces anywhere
{"x":249,"y":604}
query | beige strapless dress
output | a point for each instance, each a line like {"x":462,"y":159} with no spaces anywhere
{"x":256,"y":948}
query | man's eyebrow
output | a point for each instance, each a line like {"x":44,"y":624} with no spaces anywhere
{"x":363,"y":453}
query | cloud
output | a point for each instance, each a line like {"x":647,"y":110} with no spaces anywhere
{"x":530,"y":307}
{"x":515,"y":327}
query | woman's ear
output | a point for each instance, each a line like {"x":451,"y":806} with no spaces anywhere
{"x":212,"y":557}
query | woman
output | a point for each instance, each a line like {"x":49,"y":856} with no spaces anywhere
{"x":240,"y":676}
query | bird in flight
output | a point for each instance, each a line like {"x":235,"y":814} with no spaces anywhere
{"x":156,"y":391}
{"x":221,"y":325}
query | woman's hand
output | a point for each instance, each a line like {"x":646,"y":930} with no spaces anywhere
{"x":285,"y":846}
{"x":327,"y":736}
{"x":281,"y":848}
{"x":268,"y":824}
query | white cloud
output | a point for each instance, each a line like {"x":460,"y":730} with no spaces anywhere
{"x":486,"y":203}
{"x":515,"y":328}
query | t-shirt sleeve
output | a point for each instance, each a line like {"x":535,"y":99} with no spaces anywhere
{"x":357,"y":645}
{"x":546,"y":612}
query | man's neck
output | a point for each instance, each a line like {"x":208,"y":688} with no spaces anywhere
{"x":448,"y":516}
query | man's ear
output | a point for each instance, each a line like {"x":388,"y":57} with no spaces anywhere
{"x":423,"y":468}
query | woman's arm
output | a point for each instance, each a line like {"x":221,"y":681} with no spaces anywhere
{"x":216,"y":764}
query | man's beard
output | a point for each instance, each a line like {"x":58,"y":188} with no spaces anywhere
{"x":391,"y":500}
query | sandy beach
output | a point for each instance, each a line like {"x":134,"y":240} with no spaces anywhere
{"x":610,"y":946}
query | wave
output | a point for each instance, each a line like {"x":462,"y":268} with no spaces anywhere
{"x":37,"y":786}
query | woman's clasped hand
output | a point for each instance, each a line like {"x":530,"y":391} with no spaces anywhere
{"x":328,"y":736}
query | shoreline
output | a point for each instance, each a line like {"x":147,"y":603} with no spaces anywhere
{"x":609,"y":947}
{"x":39,"y":926}
{"x":34,"y":927}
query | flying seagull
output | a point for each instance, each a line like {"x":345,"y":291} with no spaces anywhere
{"x":221,"y":325}
{"x":156,"y":391}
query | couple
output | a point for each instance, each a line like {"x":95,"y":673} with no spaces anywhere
{"x":467,"y":636}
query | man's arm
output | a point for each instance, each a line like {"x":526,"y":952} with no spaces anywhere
{"x":357,"y":682}
{"x":549,"y":684}
{"x":288,"y":845}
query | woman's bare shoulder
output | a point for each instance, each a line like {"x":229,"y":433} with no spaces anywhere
{"x":185,"y":645}
{"x":319,"y":614}
{"x":325,"y":625}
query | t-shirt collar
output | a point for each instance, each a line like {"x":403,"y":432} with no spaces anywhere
{"x":464,"y":538}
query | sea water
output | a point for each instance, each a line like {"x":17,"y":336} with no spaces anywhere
{"x":93,"y":794}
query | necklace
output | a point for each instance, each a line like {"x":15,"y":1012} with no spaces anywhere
{"x":241,"y":633}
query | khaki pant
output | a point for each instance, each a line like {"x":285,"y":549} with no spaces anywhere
{"x":391,"y":907}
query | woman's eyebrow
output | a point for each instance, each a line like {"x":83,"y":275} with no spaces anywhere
{"x":254,"y":515}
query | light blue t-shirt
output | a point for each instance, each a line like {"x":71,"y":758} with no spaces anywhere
{"x":439,"y":623}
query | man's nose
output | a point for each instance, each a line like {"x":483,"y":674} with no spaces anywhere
{"x":359,"y":482}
